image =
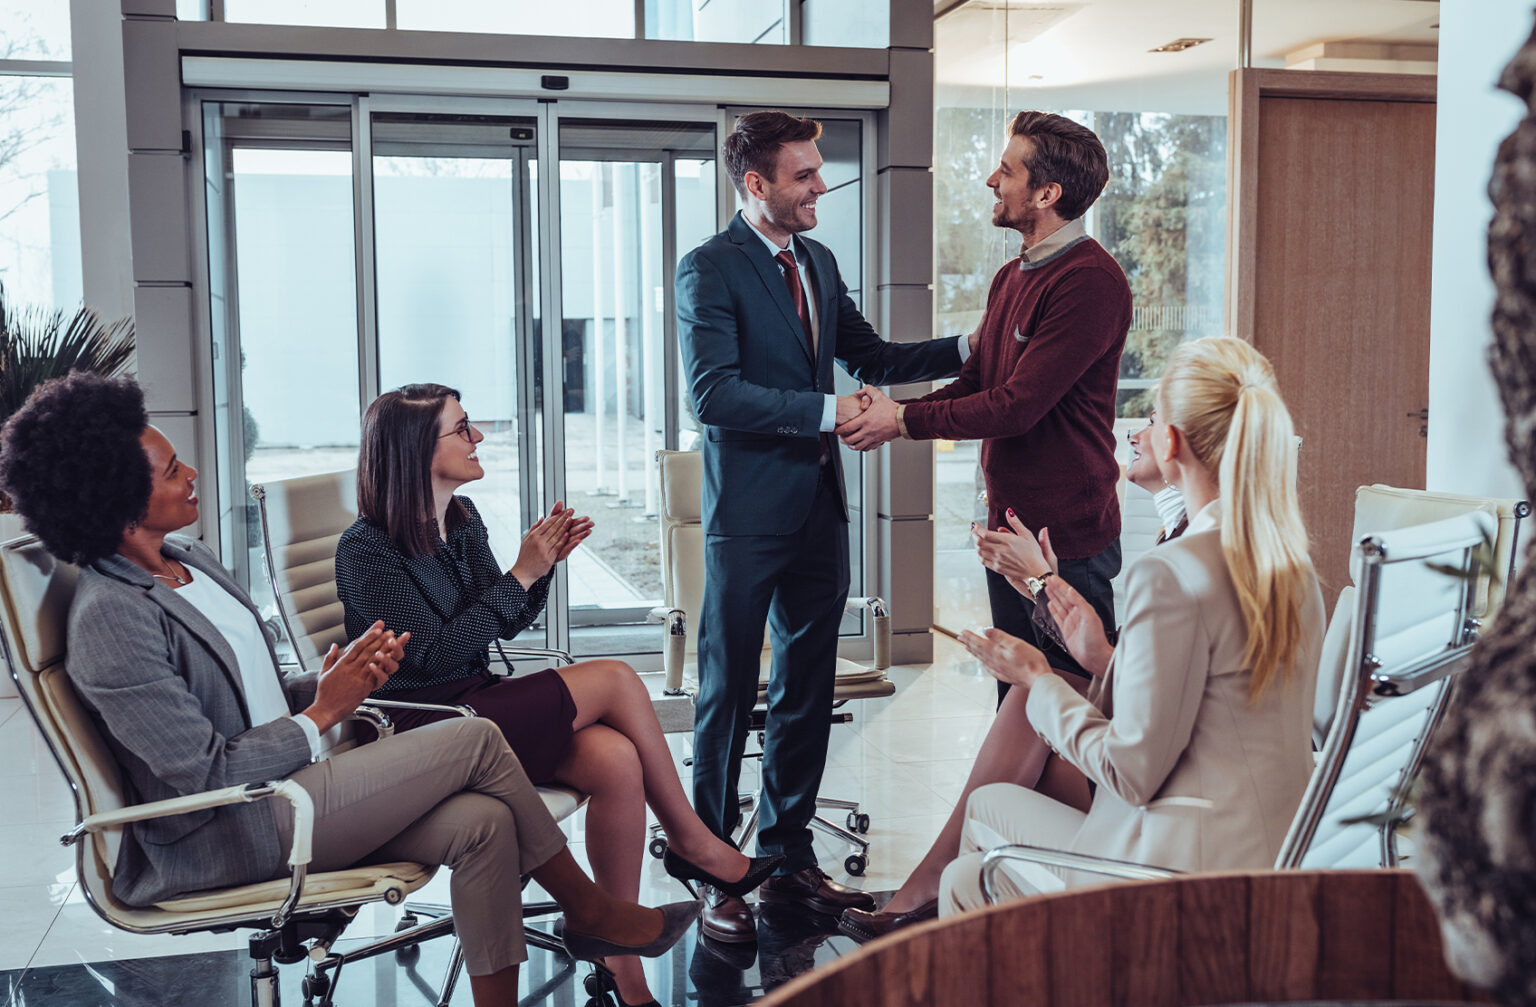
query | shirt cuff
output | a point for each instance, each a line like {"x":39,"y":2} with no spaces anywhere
{"x":965,"y":348}
{"x":829,"y":415}
{"x":311,"y":733}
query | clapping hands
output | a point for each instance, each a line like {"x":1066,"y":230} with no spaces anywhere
{"x":1015,"y":551}
{"x":1006,"y":657}
{"x":551,"y":539}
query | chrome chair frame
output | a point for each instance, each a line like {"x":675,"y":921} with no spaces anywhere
{"x":1373,"y":678}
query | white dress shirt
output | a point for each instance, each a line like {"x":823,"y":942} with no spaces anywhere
{"x":264,"y":696}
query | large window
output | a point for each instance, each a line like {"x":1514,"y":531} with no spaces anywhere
{"x":39,"y":195}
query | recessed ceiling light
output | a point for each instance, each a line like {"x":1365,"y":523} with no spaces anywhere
{"x":1180,"y":44}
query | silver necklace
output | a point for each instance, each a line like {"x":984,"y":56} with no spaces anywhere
{"x":172,"y":576}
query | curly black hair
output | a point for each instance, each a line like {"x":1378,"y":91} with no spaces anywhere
{"x":73,"y":466}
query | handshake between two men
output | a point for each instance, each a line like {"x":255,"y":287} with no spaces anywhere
{"x":867,"y":419}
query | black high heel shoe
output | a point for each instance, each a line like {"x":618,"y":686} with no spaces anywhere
{"x":676,"y":918}
{"x":601,"y":981}
{"x":759,"y":869}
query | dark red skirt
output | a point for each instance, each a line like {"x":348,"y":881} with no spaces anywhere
{"x":535,"y":713}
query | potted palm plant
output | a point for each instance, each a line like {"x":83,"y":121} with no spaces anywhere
{"x":36,"y":344}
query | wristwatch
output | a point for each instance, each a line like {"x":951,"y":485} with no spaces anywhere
{"x":1037,"y":584}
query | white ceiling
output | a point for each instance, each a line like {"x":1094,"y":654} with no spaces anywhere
{"x":1092,"y":54}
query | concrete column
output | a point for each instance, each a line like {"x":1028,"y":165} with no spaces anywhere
{"x":904,"y":487}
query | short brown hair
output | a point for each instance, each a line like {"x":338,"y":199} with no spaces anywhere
{"x":1066,"y":153}
{"x":394,"y":467}
{"x":754,"y":144}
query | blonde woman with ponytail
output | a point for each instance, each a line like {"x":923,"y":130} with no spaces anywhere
{"x":1196,"y":734}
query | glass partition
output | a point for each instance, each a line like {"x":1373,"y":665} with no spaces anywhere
{"x":456,"y":296}
{"x":589,"y":19}
{"x":618,"y":181}
{"x":1159,"y":106}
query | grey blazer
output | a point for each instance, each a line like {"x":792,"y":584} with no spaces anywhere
{"x":165,"y":690}
{"x":1191,"y":775}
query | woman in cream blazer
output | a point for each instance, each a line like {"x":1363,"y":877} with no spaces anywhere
{"x":1197,"y":734}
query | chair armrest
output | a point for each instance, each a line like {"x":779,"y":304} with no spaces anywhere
{"x":299,"y":854}
{"x":560,"y":658}
{"x":400,"y":704}
{"x":881,"y":631}
{"x":675,"y":650}
{"x":994,"y":859}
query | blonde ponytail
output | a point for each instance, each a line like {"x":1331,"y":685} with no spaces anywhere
{"x":1221,"y":393}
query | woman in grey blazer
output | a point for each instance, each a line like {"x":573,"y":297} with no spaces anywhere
{"x":168,"y":654}
{"x":1196,"y":734}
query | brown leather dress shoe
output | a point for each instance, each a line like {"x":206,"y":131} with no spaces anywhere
{"x":726,"y":918}
{"x":866,"y":926}
{"x":811,"y":888}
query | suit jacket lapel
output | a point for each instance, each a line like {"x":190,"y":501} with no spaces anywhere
{"x":184,"y":611}
{"x":772,"y":276}
{"x":824,"y":280}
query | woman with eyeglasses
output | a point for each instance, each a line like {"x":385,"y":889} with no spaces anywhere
{"x":419,"y":557}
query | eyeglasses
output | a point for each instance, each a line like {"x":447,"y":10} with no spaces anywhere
{"x":464,"y":429}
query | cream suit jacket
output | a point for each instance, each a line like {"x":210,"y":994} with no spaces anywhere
{"x":1191,"y":775}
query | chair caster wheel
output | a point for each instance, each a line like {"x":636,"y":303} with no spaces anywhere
{"x":314,"y":986}
{"x":412,"y":954}
{"x":855,"y":864}
{"x":858,"y":822}
{"x":658,"y":847}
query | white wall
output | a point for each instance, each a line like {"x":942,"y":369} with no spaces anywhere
{"x":1466,"y":437}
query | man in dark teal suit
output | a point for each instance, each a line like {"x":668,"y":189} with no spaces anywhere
{"x":762,"y":313}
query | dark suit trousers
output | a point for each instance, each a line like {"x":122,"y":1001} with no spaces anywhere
{"x":1011,"y":611}
{"x":798,"y":584}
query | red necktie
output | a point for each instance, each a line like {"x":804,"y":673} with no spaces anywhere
{"x":797,"y":295}
{"x":797,"y":292}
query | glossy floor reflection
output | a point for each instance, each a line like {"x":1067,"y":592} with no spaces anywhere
{"x":697,"y":971}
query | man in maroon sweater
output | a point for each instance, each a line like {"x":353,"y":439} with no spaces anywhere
{"x":1040,"y":389}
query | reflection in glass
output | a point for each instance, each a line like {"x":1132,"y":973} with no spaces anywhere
{"x":322,"y":13}
{"x":33,"y":30}
{"x":39,"y":196}
{"x":588,"y":19}
{"x":718,"y":21}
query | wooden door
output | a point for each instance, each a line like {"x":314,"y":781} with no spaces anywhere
{"x":1333,"y":206}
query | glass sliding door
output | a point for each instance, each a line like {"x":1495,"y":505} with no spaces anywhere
{"x":283,"y":304}
{"x":629,"y":192}
{"x":456,"y":293}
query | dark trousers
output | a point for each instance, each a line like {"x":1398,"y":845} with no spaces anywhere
{"x":797,"y":584}
{"x":1011,"y":611}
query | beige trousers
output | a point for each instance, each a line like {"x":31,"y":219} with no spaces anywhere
{"x":450,"y":793}
{"x":1000,"y":814}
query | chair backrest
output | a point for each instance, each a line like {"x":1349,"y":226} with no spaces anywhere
{"x":682,"y":537}
{"x":1380,"y":508}
{"x":35,"y":594}
{"x":1140,"y":524}
{"x":302,"y":519}
{"x":1411,"y":634}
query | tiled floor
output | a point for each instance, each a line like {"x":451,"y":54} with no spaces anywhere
{"x":904,"y":757}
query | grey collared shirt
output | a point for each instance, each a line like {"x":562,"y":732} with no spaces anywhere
{"x":1052,"y":244}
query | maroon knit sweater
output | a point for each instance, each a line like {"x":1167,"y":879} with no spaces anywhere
{"x":1040,"y":393}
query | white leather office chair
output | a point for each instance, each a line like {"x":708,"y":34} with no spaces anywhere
{"x":1413,"y":631}
{"x":682,"y":577}
{"x":303,"y":909}
{"x":302,"y":520}
{"x":1381,"y":508}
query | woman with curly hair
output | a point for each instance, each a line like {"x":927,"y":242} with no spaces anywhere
{"x":419,"y":557}
{"x":168,"y":654}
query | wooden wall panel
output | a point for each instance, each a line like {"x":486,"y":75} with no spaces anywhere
{"x":1332,"y":226}
{"x":1199,"y":939}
